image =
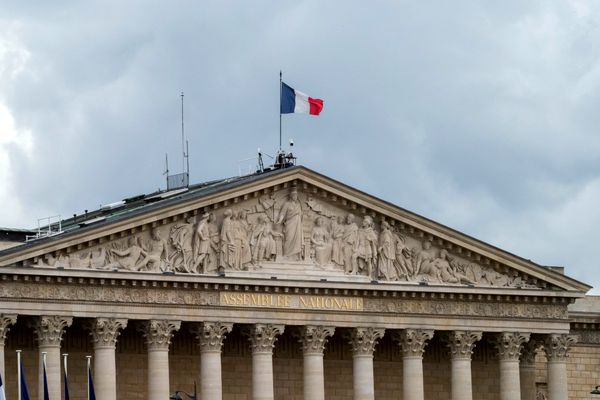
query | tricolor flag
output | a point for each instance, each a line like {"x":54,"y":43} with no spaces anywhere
{"x":294,"y":101}
{"x":2,"y":395}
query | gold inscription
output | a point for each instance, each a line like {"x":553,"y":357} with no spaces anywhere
{"x":309,"y":302}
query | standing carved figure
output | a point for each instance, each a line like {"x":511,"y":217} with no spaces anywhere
{"x":290,"y":216}
{"x":201,"y":245}
{"x":366,"y":250}
{"x":213,"y":250}
{"x":181,"y":239}
{"x":263,"y":240}
{"x":243,"y":231}
{"x":387,"y":254}
{"x":320,"y":242}
{"x":403,"y":262}
{"x":349,"y":243}
{"x":337,"y":234}
{"x":229,"y":252}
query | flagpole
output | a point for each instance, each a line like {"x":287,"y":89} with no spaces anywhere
{"x":280,"y":93}
{"x":89,"y":362}
{"x":19,"y":374}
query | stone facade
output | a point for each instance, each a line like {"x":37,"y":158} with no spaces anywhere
{"x":291,"y":286}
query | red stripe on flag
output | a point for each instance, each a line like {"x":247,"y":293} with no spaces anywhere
{"x":316,"y":105}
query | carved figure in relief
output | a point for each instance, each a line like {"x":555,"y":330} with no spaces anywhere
{"x":447,"y":272}
{"x":387,"y":254}
{"x":320,"y":241}
{"x":403,"y":261}
{"x":242,"y":232}
{"x":213,"y":250}
{"x":290,"y":216}
{"x":156,"y":257}
{"x":365,"y":256}
{"x":263,"y":240}
{"x":424,"y":258}
{"x":337,"y":234}
{"x":181,"y":239}
{"x":126,"y":258}
{"x":98,"y":258}
{"x":349,"y":243}
{"x":201,"y":245}
{"x":229,"y":253}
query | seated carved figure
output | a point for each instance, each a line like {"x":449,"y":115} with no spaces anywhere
{"x":155,"y":258}
{"x":425,"y":266}
{"x":320,"y":241}
{"x":126,"y":258}
{"x":264,"y":247}
{"x":448,"y":272}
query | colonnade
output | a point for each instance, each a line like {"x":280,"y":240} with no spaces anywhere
{"x":516,"y":354}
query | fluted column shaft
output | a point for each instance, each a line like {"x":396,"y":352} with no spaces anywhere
{"x":6,"y":320}
{"x":262,"y":339}
{"x":158,"y":334}
{"x":527,"y":370}
{"x":508,"y":345}
{"x":363,"y":342}
{"x":104,"y":333}
{"x":313,"y":340}
{"x":557,"y":347}
{"x":461,"y":344}
{"x":48,"y":332}
{"x":412,"y":343}
{"x":210,"y":336}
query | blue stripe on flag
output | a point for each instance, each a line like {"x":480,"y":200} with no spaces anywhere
{"x":288,"y":99}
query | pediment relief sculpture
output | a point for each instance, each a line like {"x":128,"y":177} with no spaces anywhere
{"x":293,"y":228}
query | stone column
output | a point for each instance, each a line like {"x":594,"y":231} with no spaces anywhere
{"x":6,"y":320}
{"x":508,"y":345}
{"x":412,"y":343}
{"x":210,"y":336}
{"x":158,"y":334}
{"x":556,"y":347}
{"x":48,"y":332}
{"x":313,"y":340}
{"x":527,"y":370}
{"x":363,"y":342}
{"x":104,"y":333}
{"x":262,"y":341}
{"x":461,"y":344}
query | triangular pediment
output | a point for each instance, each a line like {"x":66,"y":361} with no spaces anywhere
{"x":293,"y":224}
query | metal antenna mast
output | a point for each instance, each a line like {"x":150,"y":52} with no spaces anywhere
{"x":182,"y":136}
{"x":280,"y":93}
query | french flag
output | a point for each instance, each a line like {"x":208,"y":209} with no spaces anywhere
{"x":294,"y":101}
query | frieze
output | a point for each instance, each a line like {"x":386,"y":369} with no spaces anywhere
{"x":483,"y":309}
{"x":292,"y":228}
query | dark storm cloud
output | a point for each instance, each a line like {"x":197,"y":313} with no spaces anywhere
{"x":481,"y":115}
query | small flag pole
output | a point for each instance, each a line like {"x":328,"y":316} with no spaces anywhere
{"x":89,"y":362}
{"x":280,"y":93}
{"x":19,"y":373}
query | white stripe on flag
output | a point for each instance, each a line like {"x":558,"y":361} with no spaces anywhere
{"x":302,"y":105}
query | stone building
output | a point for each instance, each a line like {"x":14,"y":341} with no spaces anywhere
{"x":289,"y":285}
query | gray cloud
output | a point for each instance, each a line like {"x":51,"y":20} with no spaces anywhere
{"x":482,"y":116}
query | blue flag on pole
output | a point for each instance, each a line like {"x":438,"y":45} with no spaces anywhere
{"x":91,"y":393}
{"x":46,"y":394}
{"x":23,"y":383}
{"x":66,"y":386}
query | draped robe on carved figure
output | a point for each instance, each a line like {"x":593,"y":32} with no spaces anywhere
{"x":291,"y":216}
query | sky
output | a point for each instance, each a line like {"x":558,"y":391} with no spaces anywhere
{"x":481,"y":115}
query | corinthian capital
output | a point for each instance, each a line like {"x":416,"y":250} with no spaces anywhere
{"x":158,"y":333}
{"x":413,"y":341}
{"x":49,"y":329}
{"x":263,"y":337}
{"x":105,"y":331}
{"x":6,"y":320}
{"x":314,"y":338}
{"x":462,"y":343}
{"x":364,"y":340}
{"x":509,"y":344}
{"x":557,"y":346}
{"x":210,"y":335}
{"x":528,"y":352}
